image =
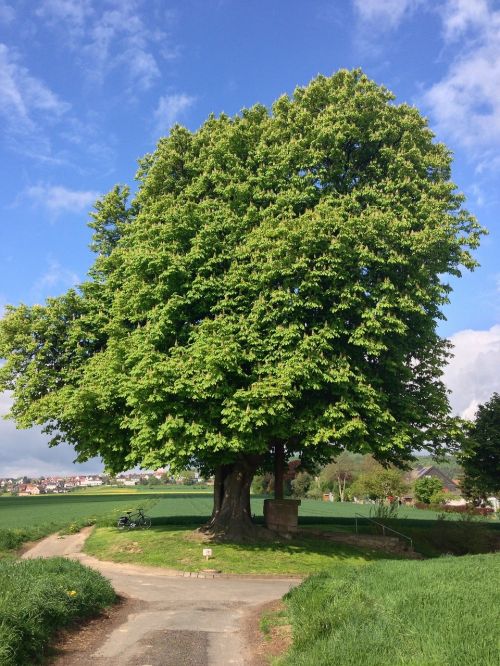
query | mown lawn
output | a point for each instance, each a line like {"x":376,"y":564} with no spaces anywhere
{"x":439,"y":612}
{"x":179,"y":548}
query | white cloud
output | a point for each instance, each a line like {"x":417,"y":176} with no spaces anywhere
{"x":473,"y":375}
{"x":58,"y":199}
{"x":384,"y":14}
{"x":170,"y":108}
{"x":24,"y":98}
{"x":460,"y":15}
{"x":465,"y":103}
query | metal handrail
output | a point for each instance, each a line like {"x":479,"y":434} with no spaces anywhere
{"x":384,"y":527}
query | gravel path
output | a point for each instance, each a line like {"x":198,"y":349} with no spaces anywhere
{"x":167,"y":619}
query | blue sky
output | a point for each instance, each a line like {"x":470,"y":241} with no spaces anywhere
{"x":88,"y":86}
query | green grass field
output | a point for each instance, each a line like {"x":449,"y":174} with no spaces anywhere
{"x":20,"y":512}
{"x":192,"y":489}
{"x":440,"y":612}
{"x":178,"y":548}
{"x":26,"y":518}
{"x":30,"y":518}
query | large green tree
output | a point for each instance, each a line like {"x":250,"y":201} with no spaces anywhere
{"x":480,"y":454}
{"x":275,"y":283}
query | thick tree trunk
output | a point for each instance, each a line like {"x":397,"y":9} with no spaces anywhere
{"x":279,"y":470}
{"x":231,"y":516}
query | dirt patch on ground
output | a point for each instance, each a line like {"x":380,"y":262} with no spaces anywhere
{"x":132,"y":547}
{"x":72,"y":646}
{"x":263,"y":647}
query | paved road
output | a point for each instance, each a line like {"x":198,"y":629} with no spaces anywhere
{"x":174,"y":620}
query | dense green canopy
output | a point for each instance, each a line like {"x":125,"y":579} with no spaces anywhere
{"x":277,"y":278}
{"x":480,"y":455}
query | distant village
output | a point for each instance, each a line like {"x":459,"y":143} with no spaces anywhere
{"x":63,"y":484}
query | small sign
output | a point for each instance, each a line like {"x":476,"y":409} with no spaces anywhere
{"x":207,"y":552}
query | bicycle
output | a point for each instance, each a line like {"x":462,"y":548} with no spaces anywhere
{"x":133,"y":519}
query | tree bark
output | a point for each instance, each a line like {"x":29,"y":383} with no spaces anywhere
{"x":231,"y":516}
{"x":279,"y":470}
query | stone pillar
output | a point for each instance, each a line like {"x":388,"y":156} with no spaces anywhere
{"x":281,"y":515}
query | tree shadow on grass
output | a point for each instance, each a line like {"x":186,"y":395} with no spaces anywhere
{"x":294,"y":546}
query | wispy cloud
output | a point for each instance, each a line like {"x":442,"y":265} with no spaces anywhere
{"x":170,"y":109}
{"x":384,"y":14}
{"x":58,"y":199}
{"x":56,"y":279}
{"x":109,"y":37}
{"x":465,"y":104}
{"x":24,"y":98}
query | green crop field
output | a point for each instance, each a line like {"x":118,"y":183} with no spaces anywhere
{"x":146,"y":490}
{"x":23,"y":512}
{"x":30,"y":518}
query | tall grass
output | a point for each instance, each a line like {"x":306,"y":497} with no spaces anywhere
{"x":37,"y":597}
{"x":440,"y":612}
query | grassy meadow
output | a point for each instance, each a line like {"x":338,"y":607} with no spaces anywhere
{"x":439,"y":612}
{"x":30,"y":518}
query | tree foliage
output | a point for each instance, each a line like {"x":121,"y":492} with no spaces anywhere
{"x":480,"y":455}
{"x":277,"y":278}
{"x":379,"y":484}
{"x":426,"y":488}
{"x":340,"y":474}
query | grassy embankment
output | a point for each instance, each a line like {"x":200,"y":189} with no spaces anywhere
{"x":38,"y":597}
{"x":439,"y":612}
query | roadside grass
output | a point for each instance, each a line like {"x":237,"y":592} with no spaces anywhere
{"x":176,"y":547}
{"x":38,"y":597}
{"x":439,"y":612}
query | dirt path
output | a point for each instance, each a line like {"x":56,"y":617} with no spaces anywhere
{"x":166,"y":619}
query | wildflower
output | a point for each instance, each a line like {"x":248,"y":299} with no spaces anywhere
{"x":72,"y":593}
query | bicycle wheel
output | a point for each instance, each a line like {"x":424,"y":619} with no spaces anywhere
{"x":146,"y":523}
{"x":123,"y":524}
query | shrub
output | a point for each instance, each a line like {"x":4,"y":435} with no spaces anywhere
{"x":426,"y":487}
{"x":439,"y":497}
{"x":301,"y":484}
{"x":315,"y":493}
{"x":384,"y":512}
